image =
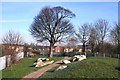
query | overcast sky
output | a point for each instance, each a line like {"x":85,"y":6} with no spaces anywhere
{"x":18,"y":16}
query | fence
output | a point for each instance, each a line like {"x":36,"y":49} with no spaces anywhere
{"x":5,"y":60}
{"x":104,"y":55}
{"x":71,"y":54}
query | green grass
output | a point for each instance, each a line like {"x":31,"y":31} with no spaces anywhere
{"x":22,"y":68}
{"x":94,"y":67}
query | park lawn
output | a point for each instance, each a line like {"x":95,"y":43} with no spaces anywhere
{"x":93,"y":67}
{"x":23,"y":67}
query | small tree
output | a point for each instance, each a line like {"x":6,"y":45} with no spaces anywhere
{"x":72,"y":42}
{"x":52,"y":24}
{"x":101,"y":27}
{"x":92,"y":39}
{"x":83,"y":35}
{"x":11,"y":39}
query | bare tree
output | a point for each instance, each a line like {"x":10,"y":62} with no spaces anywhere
{"x":83,"y":35}
{"x":115,"y":36}
{"x":9,"y":40}
{"x":52,"y":24}
{"x":101,"y":27}
{"x":92,"y":39}
{"x":12,"y":38}
{"x":72,"y":42}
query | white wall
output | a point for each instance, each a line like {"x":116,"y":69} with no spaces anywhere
{"x":5,"y":60}
{"x":19,"y":56}
{"x":2,"y":62}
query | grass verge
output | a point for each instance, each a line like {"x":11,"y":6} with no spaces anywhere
{"x":93,"y":67}
{"x":23,"y":67}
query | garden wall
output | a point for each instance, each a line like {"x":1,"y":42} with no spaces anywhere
{"x":19,"y":56}
{"x":5,"y":60}
{"x":2,"y":62}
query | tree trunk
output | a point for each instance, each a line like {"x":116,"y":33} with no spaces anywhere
{"x":25,"y":50}
{"x":92,"y":48}
{"x":51,"y":49}
{"x":118,"y":47}
{"x":98,"y":47}
{"x":102,"y":47}
{"x":83,"y":48}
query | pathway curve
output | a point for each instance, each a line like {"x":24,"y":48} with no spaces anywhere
{"x":38,"y":73}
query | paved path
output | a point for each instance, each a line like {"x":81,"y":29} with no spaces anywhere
{"x":37,"y":74}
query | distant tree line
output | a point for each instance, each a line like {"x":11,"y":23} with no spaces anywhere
{"x":100,"y":37}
